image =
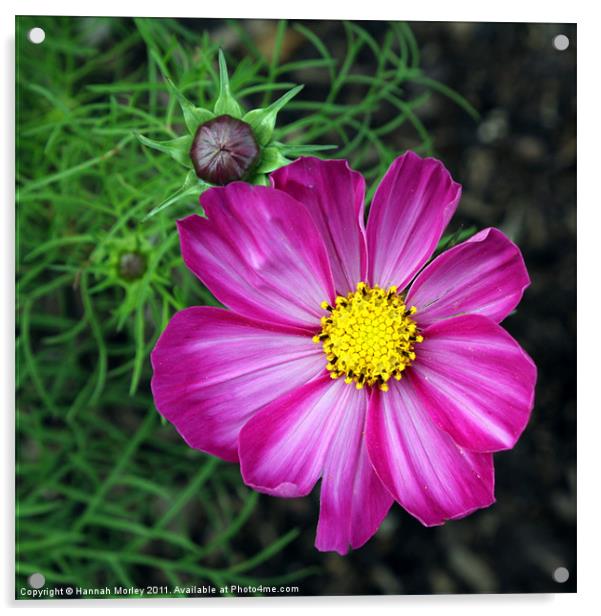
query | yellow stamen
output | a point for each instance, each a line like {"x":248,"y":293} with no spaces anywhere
{"x":369,"y":336}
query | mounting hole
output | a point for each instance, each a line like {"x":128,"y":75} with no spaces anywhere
{"x":36,"y":580}
{"x":561,"y":575}
{"x":561,"y":42}
{"x":36,"y":35}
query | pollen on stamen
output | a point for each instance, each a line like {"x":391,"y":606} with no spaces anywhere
{"x":369,"y":336}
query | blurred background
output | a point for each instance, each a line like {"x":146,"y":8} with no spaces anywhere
{"x":107,"y":493}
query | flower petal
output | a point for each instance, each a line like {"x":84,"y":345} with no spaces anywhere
{"x":353,"y":500}
{"x":484,"y":275}
{"x":412,"y":205}
{"x":426,"y":472}
{"x":283,"y":447}
{"x":260,"y":254}
{"x":213,"y":370}
{"x":475,"y":381}
{"x":334,"y":194}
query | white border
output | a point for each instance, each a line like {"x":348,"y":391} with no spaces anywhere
{"x":589,"y":230}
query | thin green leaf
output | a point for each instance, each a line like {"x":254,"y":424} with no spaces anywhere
{"x":191,"y":186}
{"x":178,"y":148}
{"x":193,"y":116}
{"x":263,"y":121}
{"x":225,"y":104}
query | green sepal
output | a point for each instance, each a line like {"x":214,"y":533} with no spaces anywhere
{"x":261,"y":180}
{"x":263,"y":120}
{"x":178,"y":148}
{"x":226,"y":104}
{"x":191,"y":186}
{"x":193,"y":116}
{"x":271,"y":160}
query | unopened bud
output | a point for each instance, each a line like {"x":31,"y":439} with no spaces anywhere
{"x":132,"y":265}
{"x":224,"y":149}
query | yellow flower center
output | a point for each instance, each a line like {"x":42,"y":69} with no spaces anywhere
{"x":369,"y":336}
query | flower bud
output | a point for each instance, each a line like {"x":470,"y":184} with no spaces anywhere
{"x":226,"y":143}
{"x":132,"y":265}
{"x":224,"y":150}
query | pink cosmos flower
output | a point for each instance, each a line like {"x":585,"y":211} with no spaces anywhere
{"x":329,"y":365}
